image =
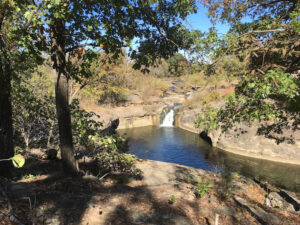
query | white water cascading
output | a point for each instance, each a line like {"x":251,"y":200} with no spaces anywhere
{"x":168,"y":121}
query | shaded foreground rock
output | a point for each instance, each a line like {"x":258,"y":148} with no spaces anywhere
{"x":61,"y":200}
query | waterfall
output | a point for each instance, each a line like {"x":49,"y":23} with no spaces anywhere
{"x":168,"y":120}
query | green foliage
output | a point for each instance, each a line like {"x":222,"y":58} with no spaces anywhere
{"x":109,"y":152}
{"x":19,"y":48}
{"x":268,"y":92}
{"x":177,"y":65}
{"x":114,"y":161}
{"x":18,"y":161}
{"x":207,"y":120}
{"x":172,"y":199}
{"x":33,"y":117}
{"x":112,"y":95}
{"x":227,"y":67}
{"x":29,"y":176}
{"x":157,"y":24}
{"x":201,"y":187}
{"x":84,"y":125}
{"x":274,"y":97}
{"x":203,"y":47}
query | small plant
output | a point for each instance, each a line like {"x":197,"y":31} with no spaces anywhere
{"x":29,"y":176}
{"x":19,"y":150}
{"x":172,"y":200}
{"x":228,"y":179}
{"x":202,"y":187}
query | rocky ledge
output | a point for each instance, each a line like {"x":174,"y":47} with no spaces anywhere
{"x":243,"y":140}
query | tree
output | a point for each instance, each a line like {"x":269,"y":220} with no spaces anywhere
{"x":269,"y":90}
{"x":18,"y":54}
{"x":69,"y":26}
{"x":178,"y":65}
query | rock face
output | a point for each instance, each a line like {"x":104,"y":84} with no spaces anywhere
{"x":135,"y":121}
{"x":185,"y":120}
{"x":137,"y":111}
{"x":243,"y":140}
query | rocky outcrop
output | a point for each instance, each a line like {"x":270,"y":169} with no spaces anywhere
{"x":186,"y":119}
{"x":243,"y":140}
{"x":135,"y":121}
{"x":137,"y":111}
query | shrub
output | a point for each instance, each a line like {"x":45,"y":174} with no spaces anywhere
{"x":201,"y":187}
{"x":172,"y":199}
{"x":112,"y":95}
{"x":178,"y":65}
{"x":111,"y":157}
{"x":35,"y":122}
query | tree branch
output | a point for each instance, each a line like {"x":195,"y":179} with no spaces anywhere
{"x":262,"y":31}
{"x":79,"y":46}
{"x":32,"y":14}
{"x":159,"y":29}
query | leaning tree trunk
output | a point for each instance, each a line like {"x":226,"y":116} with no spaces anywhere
{"x":58,"y":57}
{"x":6,"y":130}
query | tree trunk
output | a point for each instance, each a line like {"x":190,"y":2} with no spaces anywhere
{"x":6,"y":130}
{"x":58,"y":57}
{"x":50,"y":135}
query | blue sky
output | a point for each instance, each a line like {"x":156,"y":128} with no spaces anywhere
{"x":200,"y":21}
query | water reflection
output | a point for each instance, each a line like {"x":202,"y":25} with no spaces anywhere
{"x":183,"y":147}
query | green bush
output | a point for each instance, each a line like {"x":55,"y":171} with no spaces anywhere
{"x":201,"y":187}
{"x":111,"y":157}
{"x":36,"y":126}
{"x":178,"y":65}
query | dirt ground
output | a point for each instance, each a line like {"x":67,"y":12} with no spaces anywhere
{"x":165,"y":195}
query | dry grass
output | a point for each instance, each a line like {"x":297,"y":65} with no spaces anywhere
{"x":150,"y":85}
{"x":196,"y":79}
{"x":206,"y":97}
{"x":200,"y":80}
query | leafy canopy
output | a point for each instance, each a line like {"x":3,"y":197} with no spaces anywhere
{"x":269,"y":89}
{"x":151,"y":29}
